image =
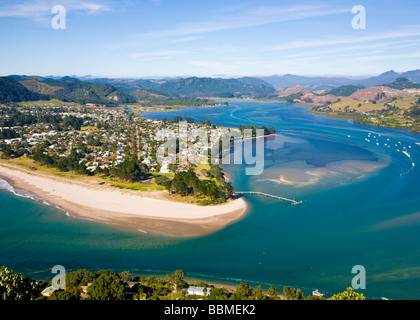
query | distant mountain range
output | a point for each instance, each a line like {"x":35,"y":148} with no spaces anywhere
{"x":325,"y":83}
{"x":252,"y":86}
{"x":195,"y":87}
{"x":120,"y":91}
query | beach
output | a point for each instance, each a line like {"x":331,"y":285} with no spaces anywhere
{"x":145,"y":212}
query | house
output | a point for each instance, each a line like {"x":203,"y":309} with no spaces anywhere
{"x":84,"y":293}
{"x":198,"y":291}
{"x":84,"y":288}
{"x":165,"y":169}
{"x":48,"y":291}
{"x":130,"y":284}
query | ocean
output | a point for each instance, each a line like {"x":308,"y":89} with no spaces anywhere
{"x":361,"y":207}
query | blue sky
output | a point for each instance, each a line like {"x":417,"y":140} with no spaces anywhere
{"x":158,"y":38}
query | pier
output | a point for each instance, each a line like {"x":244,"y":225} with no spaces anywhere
{"x":294,"y":202}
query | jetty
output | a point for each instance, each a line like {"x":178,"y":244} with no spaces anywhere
{"x":294,"y":202}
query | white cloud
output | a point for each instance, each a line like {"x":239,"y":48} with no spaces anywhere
{"x":350,"y":40}
{"x":40,"y":10}
{"x":246,"y":17}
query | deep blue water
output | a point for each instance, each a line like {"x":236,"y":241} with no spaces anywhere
{"x":361,"y":207}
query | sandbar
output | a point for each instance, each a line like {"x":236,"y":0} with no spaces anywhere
{"x":143,"y":212}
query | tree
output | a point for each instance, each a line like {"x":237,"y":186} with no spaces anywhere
{"x":218,"y":294}
{"x":163,"y":181}
{"x":16,"y":287}
{"x":61,"y":294}
{"x":243,"y":291}
{"x":293,"y":294}
{"x":258,"y":293}
{"x":78,"y":278}
{"x":126,"y":276}
{"x":349,"y":294}
{"x":273,"y":292}
{"x":177,"y":279}
{"x":107,"y":286}
{"x":130,"y":170}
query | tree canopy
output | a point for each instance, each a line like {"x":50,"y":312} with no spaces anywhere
{"x":349,"y":294}
{"x":14,"y":286}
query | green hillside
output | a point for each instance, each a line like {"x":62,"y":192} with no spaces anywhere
{"x":12,"y":91}
{"x":73,"y":90}
{"x":212,"y":87}
{"x":344,"y":91}
{"x":403,"y":83}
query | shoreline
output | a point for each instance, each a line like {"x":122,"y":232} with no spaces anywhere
{"x":139,"y":212}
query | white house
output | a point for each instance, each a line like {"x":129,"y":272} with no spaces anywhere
{"x":164,"y":168}
{"x":199,"y":291}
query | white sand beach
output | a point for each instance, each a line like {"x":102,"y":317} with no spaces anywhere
{"x":147,"y":212}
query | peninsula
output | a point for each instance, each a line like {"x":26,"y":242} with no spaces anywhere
{"x":104,"y":164}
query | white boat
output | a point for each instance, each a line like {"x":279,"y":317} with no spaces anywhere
{"x":317,"y":293}
{"x":406,"y":153}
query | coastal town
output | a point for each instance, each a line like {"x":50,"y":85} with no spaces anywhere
{"x":112,"y":143}
{"x":102,"y":137}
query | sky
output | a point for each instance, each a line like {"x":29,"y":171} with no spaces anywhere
{"x":215,"y":38}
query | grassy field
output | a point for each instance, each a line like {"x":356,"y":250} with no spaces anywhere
{"x":390,"y":114}
{"x":46,"y":103}
{"x":351,"y":105}
{"x":94,"y":180}
{"x":335,"y":115}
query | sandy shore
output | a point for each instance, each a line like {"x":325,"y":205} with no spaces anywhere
{"x":146,"y":212}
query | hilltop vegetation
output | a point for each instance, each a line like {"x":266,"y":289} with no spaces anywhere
{"x":73,"y":90}
{"x":403,"y":83}
{"x":211,"y":87}
{"x":13,"y":91}
{"x":344,"y":91}
{"x":84,"y":284}
{"x":118,"y":92}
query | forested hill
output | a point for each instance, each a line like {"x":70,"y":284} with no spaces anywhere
{"x":194,"y":87}
{"x":12,"y":91}
{"x":73,"y":90}
{"x":216,"y":87}
{"x":114,"y":92}
{"x":403,"y":83}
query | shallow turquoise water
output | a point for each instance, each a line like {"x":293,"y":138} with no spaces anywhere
{"x":361,"y":207}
